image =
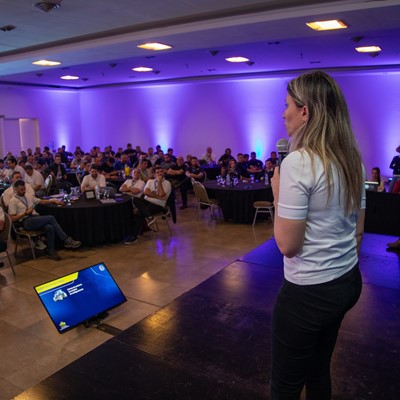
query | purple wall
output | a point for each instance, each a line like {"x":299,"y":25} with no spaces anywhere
{"x":244,"y":114}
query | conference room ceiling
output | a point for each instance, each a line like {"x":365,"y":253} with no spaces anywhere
{"x":97,"y":40}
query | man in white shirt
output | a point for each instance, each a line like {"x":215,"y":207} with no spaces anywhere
{"x":156,"y":193}
{"x":12,"y":166}
{"x":35,"y":180}
{"x":89,"y":182}
{"x":135,"y":186}
{"x":209,"y":156}
{"x":22,"y":210}
{"x":9,"y":192}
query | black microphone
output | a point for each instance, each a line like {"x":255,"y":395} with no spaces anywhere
{"x":282,"y":145}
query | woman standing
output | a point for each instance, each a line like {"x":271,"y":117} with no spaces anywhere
{"x":318,"y":227}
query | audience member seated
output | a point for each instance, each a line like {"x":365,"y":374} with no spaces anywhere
{"x":395,"y":166}
{"x":209,"y":157}
{"x":151,"y":156}
{"x":124,"y":162}
{"x":166,"y":162}
{"x":376,"y":177}
{"x":12,"y":166}
{"x":107,"y":168}
{"x":269,"y":169}
{"x":3,"y":243}
{"x":176,"y":174}
{"x":156,"y":193}
{"x":242,"y":165}
{"x":146,"y":171}
{"x":194,"y":171}
{"x":224,"y":159}
{"x":170,"y":151}
{"x":135,"y":186}
{"x":76,"y":161}
{"x":21,"y":210}
{"x":58,"y":172}
{"x":232,"y":170}
{"x":3,"y":171}
{"x":254,"y":166}
{"x":8,"y":194}
{"x":274,"y":159}
{"x":34,"y":179}
{"x":89,"y":182}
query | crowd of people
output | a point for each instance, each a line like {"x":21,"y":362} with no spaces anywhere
{"x":149,"y":177}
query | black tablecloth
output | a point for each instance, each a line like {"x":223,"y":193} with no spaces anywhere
{"x":383,"y":213}
{"x":237,"y":202}
{"x":92,"y":222}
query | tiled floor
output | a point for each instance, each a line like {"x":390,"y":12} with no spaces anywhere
{"x":151,"y":273}
{"x":214,"y":342}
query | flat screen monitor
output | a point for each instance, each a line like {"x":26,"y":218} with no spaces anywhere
{"x":372,"y":186}
{"x":80,"y":296}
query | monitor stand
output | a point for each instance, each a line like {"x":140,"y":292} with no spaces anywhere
{"x":96,"y":322}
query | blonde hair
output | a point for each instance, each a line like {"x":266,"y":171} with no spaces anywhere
{"x":328,"y":134}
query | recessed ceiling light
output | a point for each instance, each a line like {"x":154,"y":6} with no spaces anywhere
{"x":154,"y":46}
{"x":237,"y":59}
{"x":46,"y":63}
{"x":142,"y":69}
{"x":327,"y":25}
{"x":69,"y":77}
{"x":368,"y":49}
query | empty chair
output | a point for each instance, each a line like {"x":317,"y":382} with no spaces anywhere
{"x":263,"y":207}
{"x":204,"y":201}
{"x":5,"y":235}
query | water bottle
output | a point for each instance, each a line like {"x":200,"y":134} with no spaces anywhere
{"x":97,"y":192}
{"x":266,"y":179}
{"x":228,"y":180}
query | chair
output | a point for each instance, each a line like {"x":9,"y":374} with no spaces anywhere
{"x":48,"y":184}
{"x":169,"y":212}
{"x":263,"y":207}
{"x":5,"y":234}
{"x":78,"y":176}
{"x":22,"y":233}
{"x":204,"y":201}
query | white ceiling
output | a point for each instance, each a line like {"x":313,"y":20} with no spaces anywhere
{"x":96,"y":39}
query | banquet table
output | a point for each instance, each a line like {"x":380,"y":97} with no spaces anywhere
{"x":93,"y":221}
{"x":237,"y":202}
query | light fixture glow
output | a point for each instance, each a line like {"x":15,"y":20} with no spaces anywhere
{"x":46,"y":63}
{"x":69,"y":77}
{"x":142,"y":69}
{"x":154,"y":46}
{"x":237,"y":59}
{"x":327,"y":25}
{"x":368,"y":49}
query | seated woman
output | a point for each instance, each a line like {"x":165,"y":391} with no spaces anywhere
{"x":376,"y":177}
{"x":232,"y":170}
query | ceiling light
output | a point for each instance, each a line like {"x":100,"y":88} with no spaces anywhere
{"x":46,"y":63}
{"x":142,"y":69}
{"x":327,"y":25}
{"x":237,"y":59}
{"x":69,"y":77}
{"x":47,"y":6}
{"x":368,"y":49}
{"x":154,"y":46}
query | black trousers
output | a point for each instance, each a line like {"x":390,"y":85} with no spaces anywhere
{"x":305,"y":325}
